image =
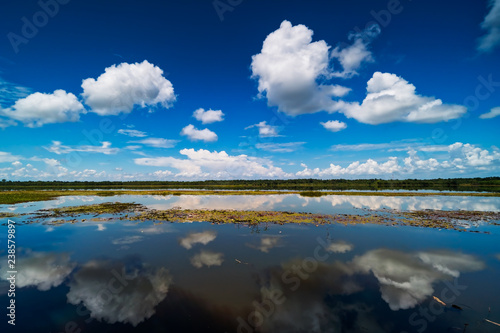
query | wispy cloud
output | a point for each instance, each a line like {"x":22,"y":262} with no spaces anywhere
{"x":156,"y":142}
{"x":58,"y":148}
{"x":287,"y":147}
{"x":495,"y":112}
{"x":132,"y":133}
{"x":265,"y":130}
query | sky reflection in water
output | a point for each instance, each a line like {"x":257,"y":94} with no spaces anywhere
{"x":121,"y":276}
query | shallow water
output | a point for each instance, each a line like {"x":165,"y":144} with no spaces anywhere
{"x":329,"y":204}
{"x":122,"y":276}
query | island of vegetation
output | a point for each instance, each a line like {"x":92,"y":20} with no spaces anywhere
{"x":115,"y":211}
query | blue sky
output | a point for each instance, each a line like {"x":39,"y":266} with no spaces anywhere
{"x":187,"y":90}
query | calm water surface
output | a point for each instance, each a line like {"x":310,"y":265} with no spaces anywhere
{"x":121,"y":276}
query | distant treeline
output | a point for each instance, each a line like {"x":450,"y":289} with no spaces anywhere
{"x":490,"y":184}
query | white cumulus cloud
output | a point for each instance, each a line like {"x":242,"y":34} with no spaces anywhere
{"x":288,"y":69}
{"x":205,"y":164}
{"x":38,"y":109}
{"x":208,"y":116}
{"x":195,"y":134}
{"x":334,"y":125}
{"x":123,"y":86}
{"x":391,"y":98}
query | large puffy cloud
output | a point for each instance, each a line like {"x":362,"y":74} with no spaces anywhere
{"x":207,"y":258}
{"x":205,"y":164}
{"x":208,"y":116}
{"x":115,"y":293}
{"x":122,"y":87}
{"x":38,"y":109}
{"x":491,"y":24}
{"x":407,"y":279}
{"x":195,"y":134}
{"x":288,"y":69}
{"x":204,"y":238}
{"x":42,"y":270}
{"x":391,"y":98}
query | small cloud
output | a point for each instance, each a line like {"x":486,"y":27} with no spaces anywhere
{"x":492,"y":114}
{"x":204,"y":238}
{"x":334,"y":125}
{"x":265,"y":130}
{"x":195,"y":134}
{"x":209,"y":116}
{"x":156,"y":142}
{"x":132,"y":133}
{"x":207,"y":258}
{"x":266,"y":243}
{"x":280,"y":147}
{"x":340,"y":247}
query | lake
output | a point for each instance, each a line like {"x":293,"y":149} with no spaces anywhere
{"x":132,"y":276}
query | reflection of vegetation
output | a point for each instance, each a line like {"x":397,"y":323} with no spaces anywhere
{"x":136,"y":212}
{"x":456,"y":184}
{"x":12,"y":197}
